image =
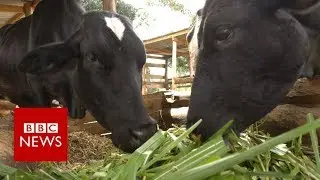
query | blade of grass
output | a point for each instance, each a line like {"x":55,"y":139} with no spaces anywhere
{"x":314,"y":141}
{"x":245,"y":172}
{"x":215,"y":146}
{"x":210,"y":169}
{"x":46,"y":175}
{"x":140,"y":156}
{"x":169,"y":147}
{"x":6,"y":170}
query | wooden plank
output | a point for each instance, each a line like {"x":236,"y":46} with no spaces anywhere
{"x":174,"y":63}
{"x":167,"y":36}
{"x":27,"y":9}
{"x":10,"y":8}
{"x":183,"y":80}
{"x":35,"y":3}
{"x":155,"y":85}
{"x":182,"y":42}
{"x":148,"y":83}
{"x":144,"y":87}
{"x":166,"y":75}
{"x":165,"y":52}
{"x":151,"y":76}
{"x":154,"y":56}
{"x":155,"y":65}
{"x":158,"y":56}
{"x":15,"y":18}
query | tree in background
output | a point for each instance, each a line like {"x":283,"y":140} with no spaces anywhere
{"x":174,"y":5}
{"x":123,"y":8}
{"x":182,"y":65}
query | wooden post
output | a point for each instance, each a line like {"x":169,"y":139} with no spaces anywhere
{"x":166,"y":74}
{"x":27,"y":9}
{"x":109,"y":5}
{"x":144,"y":85}
{"x":174,"y":62}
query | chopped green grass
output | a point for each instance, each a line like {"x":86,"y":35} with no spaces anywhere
{"x":177,"y":154}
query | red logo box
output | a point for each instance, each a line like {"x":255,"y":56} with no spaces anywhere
{"x":40,"y":134}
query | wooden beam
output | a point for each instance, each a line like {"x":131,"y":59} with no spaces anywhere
{"x":10,"y":8}
{"x":150,"y":76}
{"x":144,"y":73}
{"x":182,"y":42}
{"x":27,"y":9}
{"x":185,"y":80}
{"x":166,"y":37}
{"x":156,"y":65}
{"x":174,"y":63}
{"x":154,"y":84}
{"x":166,"y":75}
{"x":109,"y":5}
{"x":35,"y":3}
{"x":165,"y":52}
{"x":15,"y":18}
{"x":179,"y":49}
{"x":149,"y":56}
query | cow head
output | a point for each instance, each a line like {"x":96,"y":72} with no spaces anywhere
{"x":105,"y":59}
{"x":250,"y":53}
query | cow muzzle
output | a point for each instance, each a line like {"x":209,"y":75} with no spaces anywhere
{"x":129,"y":138}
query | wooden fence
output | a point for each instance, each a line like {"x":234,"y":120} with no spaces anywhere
{"x":157,"y":81}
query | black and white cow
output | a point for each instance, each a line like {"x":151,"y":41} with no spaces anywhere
{"x":98,"y":64}
{"x":250,"y":53}
{"x":52,"y":20}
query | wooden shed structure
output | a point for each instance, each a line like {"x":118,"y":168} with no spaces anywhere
{"x":162,"y":48}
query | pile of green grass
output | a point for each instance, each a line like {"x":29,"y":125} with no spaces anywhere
{"x":176,"y":155}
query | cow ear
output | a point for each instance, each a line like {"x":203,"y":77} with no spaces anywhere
{"x":190,"y":34}
{"x":51,"y":57}
{"x":296,"y":7}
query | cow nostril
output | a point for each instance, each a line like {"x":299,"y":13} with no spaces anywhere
{"x":144,"y":132}
{"x":137,"y":134}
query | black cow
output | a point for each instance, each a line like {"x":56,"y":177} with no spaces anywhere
{"x":99,"y":64}
{"x":52,"y":20}
{"x":250,"y":54}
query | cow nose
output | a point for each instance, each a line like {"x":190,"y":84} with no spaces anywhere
{"x":143,"y":133}
{"x":129,"y":137}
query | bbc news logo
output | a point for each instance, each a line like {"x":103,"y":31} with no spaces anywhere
{"x":40,"y":134}
{"x":40,"y":141}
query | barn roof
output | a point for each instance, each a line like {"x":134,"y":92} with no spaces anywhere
{"x":13,"y":10}
{"x":162,"y":45}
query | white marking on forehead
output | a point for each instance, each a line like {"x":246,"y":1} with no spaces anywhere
{"x":116,"y":26}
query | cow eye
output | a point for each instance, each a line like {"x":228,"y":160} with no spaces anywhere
{"x":92,"y":57}
{"x":223,"y":33}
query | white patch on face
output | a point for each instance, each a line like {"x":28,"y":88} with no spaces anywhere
{"x":116,"y":26}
